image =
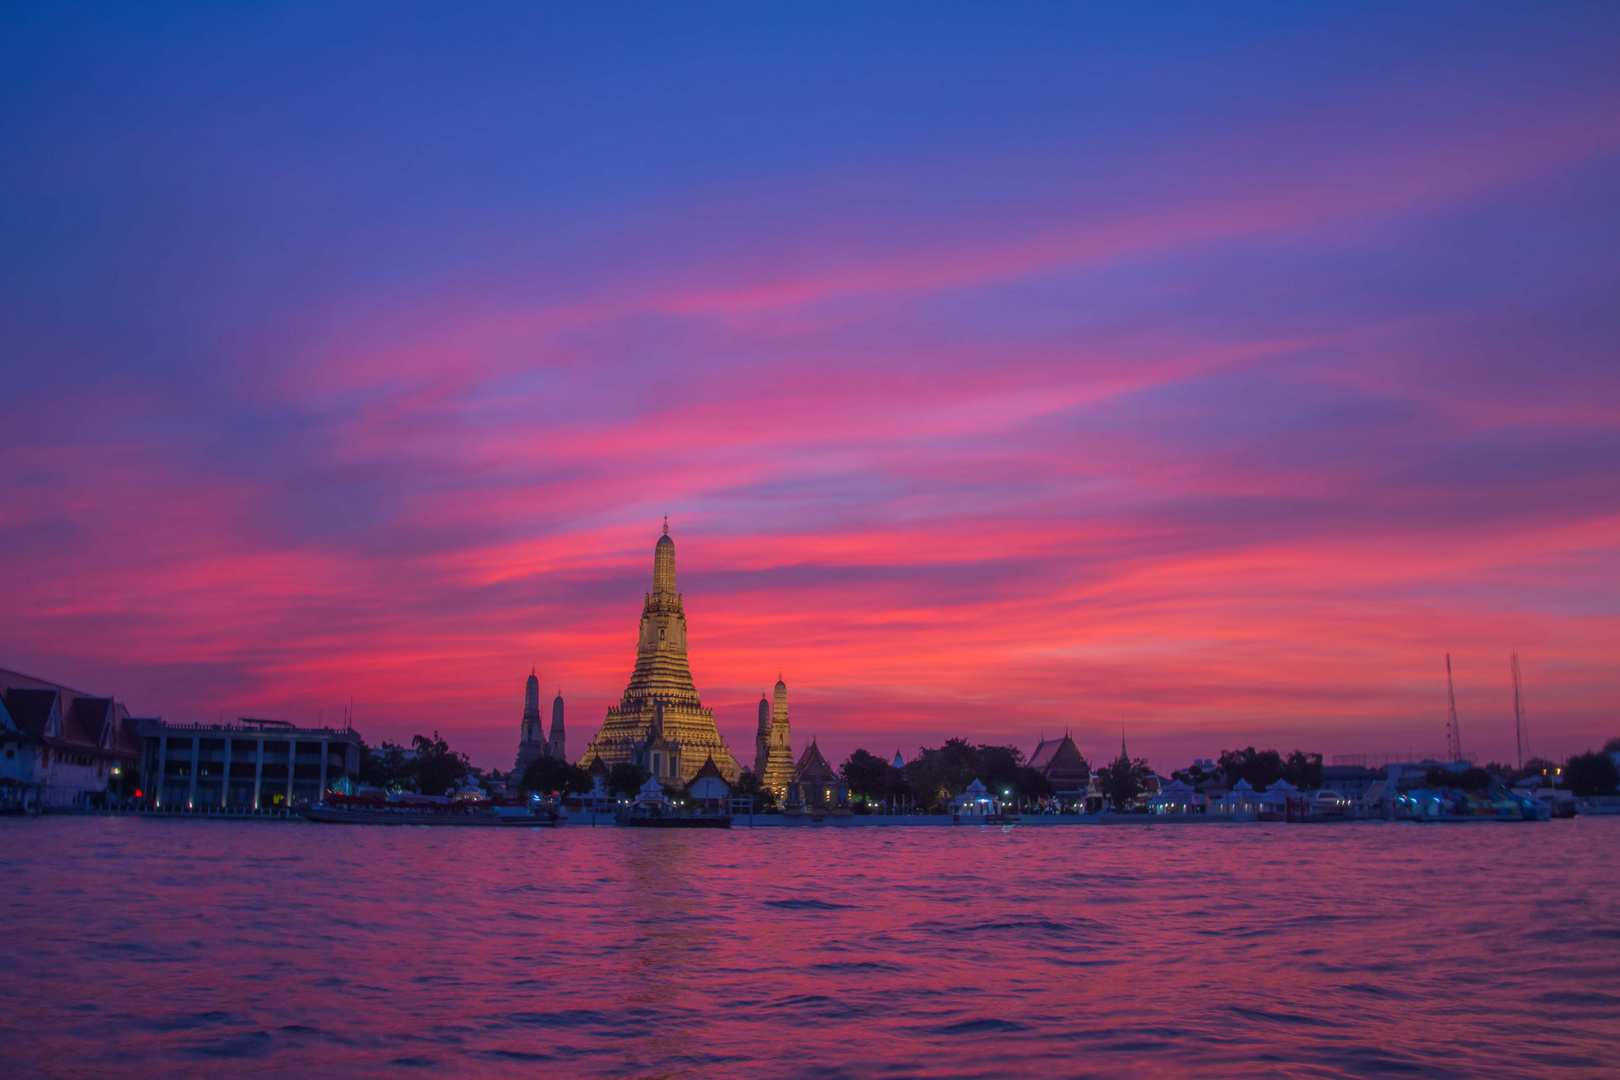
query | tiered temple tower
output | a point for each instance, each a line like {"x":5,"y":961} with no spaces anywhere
{"x":762,"y":737}
{"x":660,"y":723}
{"x":532,"y":740}
{"x":531,"y":731}
{"x":556,"y":744}
{"x":778,"y":769}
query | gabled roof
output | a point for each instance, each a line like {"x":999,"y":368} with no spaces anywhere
{"x":31,"y":709}
{"x":598,"y":767}
{"x":812,"y":766}
{"x":87,"y":722}
{"x":1059,"y":759}
{"x":709,"y":769}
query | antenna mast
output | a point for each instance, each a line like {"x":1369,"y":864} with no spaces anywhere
{"x":1518,"y":710}
{"x":1453,"y":736}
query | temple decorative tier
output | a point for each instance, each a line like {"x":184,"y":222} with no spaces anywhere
{"x":659,"y":723}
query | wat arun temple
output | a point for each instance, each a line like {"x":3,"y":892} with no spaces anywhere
{"x":660,"y":723}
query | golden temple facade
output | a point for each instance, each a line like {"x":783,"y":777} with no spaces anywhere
{"x":660,"y":723}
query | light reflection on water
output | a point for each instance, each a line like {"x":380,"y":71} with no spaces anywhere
{"x":147,"y":947}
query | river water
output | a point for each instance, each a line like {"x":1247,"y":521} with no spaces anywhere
{"x":171,"y":947}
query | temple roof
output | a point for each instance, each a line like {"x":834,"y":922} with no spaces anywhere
{"x":1059,"y":759}
{"x":709,"y":769}
{"x":813,"y":766}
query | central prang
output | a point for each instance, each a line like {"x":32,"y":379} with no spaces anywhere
{"x":660,"y":723}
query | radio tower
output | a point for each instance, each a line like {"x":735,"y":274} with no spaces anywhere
{"x":1518,"y":710}
{"x":1453,"y":736}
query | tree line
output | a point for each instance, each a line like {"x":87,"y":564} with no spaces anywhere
{"x":929,"y":781}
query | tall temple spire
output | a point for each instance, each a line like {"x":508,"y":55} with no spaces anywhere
{"x":531,"y":697}
{"x":778,"y":744}
{"x":664,"y":565}
{"x":557,"y":744}
{"x":660,"y":700}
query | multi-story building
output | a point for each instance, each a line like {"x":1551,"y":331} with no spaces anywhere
{"x":250,"y":765}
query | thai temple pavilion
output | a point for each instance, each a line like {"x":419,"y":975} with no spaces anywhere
{"x":533,"y":741}
{"x":816,"y":787}
{"x":773,"y":743}
{"x":1061,"y":762}
{"x":659,"y":723}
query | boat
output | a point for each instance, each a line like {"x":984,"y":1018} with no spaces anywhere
{"x":641,"y":818}
{"x":427,"y":810}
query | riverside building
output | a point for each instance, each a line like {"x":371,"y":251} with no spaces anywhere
{"x":61,"y":748}
{"x":248,"y":766}
{"x":660,"y":723}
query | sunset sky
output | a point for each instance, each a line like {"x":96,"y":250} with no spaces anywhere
{"x":1202,"y":371}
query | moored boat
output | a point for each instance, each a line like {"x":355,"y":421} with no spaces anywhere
{"x":427,"y":810}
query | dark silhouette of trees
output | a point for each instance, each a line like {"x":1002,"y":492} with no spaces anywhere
{"x":385,"y":767}
{"x":765,"y":801}
{"x":548,"y":774}
{"x":1302,"y":770}
{"x":867,"y":776}
{"x":436,"y":768}
{"x":1591,"y":774}
{"x":626,"y":779}
{"x":429,"y":767}
{"x":1260,"y":768}
{"x":1124,"y":780}
{"x":939,"y":774}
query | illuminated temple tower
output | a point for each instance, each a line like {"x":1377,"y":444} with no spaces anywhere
{"x":659,"y":723}
{"x":778,"y":770}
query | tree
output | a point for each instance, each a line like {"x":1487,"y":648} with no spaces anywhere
{"x":626,"y":779}
{"x":1260,"y":768}
{"x":436,"y":769}
{"x":1123,"y":781}
{"x":1302,"y":770}
{"x":386,"y":767}
{"x":941,"y":773}
{"x":867,"y":776}
{"x":749,"y":784}
{"x":547,"y":774}
{"x":1538,"y":766}
{"x":1031,"y":784}
{"x":998,"y":767}
{"x":1591,"y":774}
{"x":1612,"y":746}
